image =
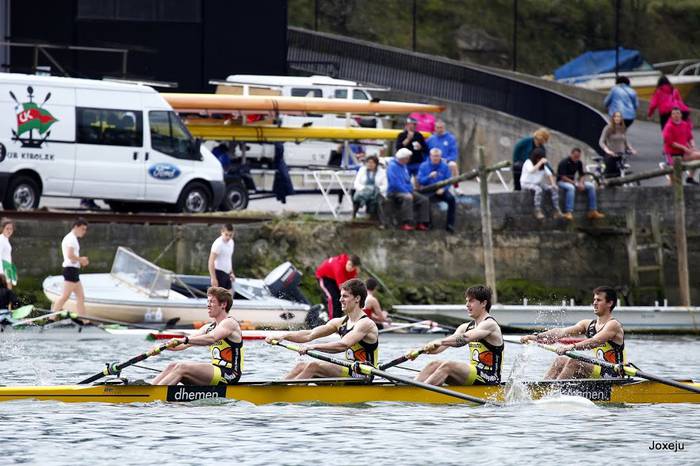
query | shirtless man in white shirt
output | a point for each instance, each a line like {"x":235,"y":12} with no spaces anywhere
{"x":72,"y":262}
{"x":220,"y":259}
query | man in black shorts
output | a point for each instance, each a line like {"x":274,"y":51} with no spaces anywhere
{"x":72,"y":262}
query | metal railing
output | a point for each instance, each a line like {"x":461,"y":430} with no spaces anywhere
{"x":442,"y":78}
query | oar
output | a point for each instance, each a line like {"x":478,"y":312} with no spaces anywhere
{"x":621,"y":369}
{"x":169,"y":324}
{"x":402,"y":359}
{"x":115,"y":368}
{"x":63,"y":314}
{"x":369,"y":370}
{"x":22,"y":312}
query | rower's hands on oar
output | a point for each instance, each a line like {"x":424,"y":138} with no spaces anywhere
{"x":528,"y":338}
{"x":170,"y":345}
{"x":270,"y":340}
{"x":432,"y":346}
{"x":563,"y":349}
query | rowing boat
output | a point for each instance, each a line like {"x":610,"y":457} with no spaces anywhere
{"x":340,"y":391}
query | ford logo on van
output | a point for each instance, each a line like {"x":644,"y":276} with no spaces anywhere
{"x":164,"y":171}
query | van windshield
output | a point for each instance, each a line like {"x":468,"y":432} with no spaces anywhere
{"x":170,"y":136}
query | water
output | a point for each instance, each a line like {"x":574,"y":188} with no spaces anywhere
{"x":562,"y":430}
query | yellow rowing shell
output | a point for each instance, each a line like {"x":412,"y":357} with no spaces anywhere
{"x":217,"y":103}
{"x":624,"y":391}
{"x":275,"y":134}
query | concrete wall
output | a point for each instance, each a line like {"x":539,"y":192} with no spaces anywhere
{"x":578,"y":255}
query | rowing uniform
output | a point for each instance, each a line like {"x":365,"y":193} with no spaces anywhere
{"x":227,"y":359}
{"x":484,"y":361}
{"x":609,"y":351}
{"x":366,"y":353}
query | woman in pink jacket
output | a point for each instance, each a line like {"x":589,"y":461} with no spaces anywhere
{"x":664,"y":99}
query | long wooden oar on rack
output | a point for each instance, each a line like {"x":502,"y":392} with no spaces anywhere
{"x":369,"y":370}
{"x":115,"y":368}
{"x":621,"y":369}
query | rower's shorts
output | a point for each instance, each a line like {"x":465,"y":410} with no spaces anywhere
{"x":71,"y":274}
{"x":345,"y":372}
{"x":478,"y":376}
{"x":224,"y":376}
{"x":600,"y":372}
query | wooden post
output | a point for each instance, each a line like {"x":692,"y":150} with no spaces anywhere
{"x":681,"y":241}
{"x":632,"y":259}
{"x":486,"y":233}
{"x":180,"y":250}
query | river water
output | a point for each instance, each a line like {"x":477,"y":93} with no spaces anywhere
{"x":557,"y":431}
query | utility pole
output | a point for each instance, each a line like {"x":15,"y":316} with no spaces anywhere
{"x":618,"y":5}
{"x":515,"y":35}
{"x":317,"y":11}
{"x":415,"y":9}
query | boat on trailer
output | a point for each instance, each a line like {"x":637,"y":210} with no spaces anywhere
{"x":345,"y":391}
{"x":138,"y":291}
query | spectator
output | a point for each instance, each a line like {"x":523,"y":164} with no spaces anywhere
{"x":220,"y":263}
{"x":622,"y":98}
{"x":7,"y":226}
{"x":221,"y":154}
{"x":447,"y":143}
{"x":72,"y":262}
{"x":537,"y":177}
{"x":412,"y":140}
{"x":678,"y":141}
{"x":370,"y":185}
{"x":401,"y":190}
{"x":566,"y":179}
{"x":424,"y":121}
{"x":8,"y":298}
{"x":433,"y":171}
{"x":613,"y":140}
{"x":331,"y":274}
{"x":665,"y":98}
{"x":373,"y":308}
{"x":523,"y":149}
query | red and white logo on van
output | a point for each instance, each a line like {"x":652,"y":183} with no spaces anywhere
{"x":32,"y":120}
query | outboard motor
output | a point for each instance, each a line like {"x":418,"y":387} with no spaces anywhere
{"x":283,"y":282}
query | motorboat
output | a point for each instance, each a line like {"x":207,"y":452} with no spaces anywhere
{"x":596,"y":70}
{"x":137,"y":290}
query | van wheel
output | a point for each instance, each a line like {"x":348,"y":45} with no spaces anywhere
{"x":236,"y":197}
{"x":194,"y":199}
{"x":22,"y":194}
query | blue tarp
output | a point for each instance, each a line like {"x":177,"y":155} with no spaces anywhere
{"x":601,"y":61}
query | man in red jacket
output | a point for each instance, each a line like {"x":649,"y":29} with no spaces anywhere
{"x":332,"y":273}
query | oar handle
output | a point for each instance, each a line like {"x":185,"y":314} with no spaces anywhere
{"x":115,"y":368}
{"x":402,"y":359}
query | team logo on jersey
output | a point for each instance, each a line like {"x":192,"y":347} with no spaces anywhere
{"x":33,"y":120}
{"x":164,"y":171}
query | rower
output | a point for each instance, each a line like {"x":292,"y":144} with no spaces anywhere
{"x":359,"y":337}
{"x":604,"y":336}
{"x":482,"y":334}
{"x":373,"y":308}
{"x":225,"y":341}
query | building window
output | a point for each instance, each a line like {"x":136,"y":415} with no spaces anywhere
{"x":181,"y":11}
{"x":109,"y":127}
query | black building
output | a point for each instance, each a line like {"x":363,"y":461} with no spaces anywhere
{"x":184,"y":41}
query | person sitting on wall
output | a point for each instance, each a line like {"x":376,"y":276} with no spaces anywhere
{"x":566,"y":175}
{"x":400,"y":189}
{"x":433,"y":171}
{"x":413,"y":141}
{"x":537,"y":178}
{"x":370,"y":187}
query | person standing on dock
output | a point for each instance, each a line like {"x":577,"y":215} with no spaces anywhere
{"x":220,"y":262}
{"x":605,"y":337}
{"x":412,"y":140}
{"x":485,"y":340}
{"x":224,"y":338}
{"x":359,"y":337}
{"x":72,"y":263}
{"x":7,"y":227}
{"x":622,"y":98}
{"x":331,"y":274}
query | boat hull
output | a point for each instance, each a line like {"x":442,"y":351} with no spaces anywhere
{"x":599,"y":391}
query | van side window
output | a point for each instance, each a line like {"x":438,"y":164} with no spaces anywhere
{"x":170,"y":136}
{"x":341,"y":93}
{"x":359,"y":95}
{"x":109,"y":127}
{"x":306,"y":92}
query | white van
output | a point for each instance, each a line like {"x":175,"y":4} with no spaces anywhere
{"x":307,"y":153}
{"x":79,"y":138}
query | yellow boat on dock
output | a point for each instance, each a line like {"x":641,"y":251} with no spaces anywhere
{"x":339,"y":391}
